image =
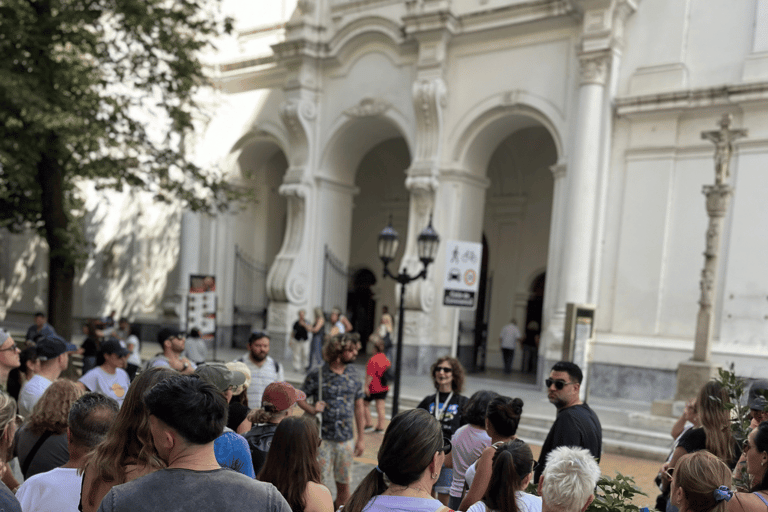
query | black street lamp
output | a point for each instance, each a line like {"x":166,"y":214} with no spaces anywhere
{"x":427,"y":247}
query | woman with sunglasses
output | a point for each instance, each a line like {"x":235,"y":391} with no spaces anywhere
{"x":409,"y":462}
{"x":501,"y":423}
{"x":292,"y":466}
{"x":700,"y":483}
{"x":756,"y":457}
{"x":714,"y":435}
{"x":446,"y":406}
{"x":512,"y":471}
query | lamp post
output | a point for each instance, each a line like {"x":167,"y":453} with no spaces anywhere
{"x":427,"y":243}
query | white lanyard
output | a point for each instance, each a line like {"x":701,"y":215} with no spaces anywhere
{"x":438,"y":413}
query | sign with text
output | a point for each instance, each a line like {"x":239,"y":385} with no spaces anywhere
{"x":462,"y":273}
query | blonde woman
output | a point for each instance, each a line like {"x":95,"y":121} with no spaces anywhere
{"x":9,"y":421}
{"x":701,"y":483}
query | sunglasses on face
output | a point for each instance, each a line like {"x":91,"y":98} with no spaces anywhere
{"x":447,"y":446}
{"x":443,"y":369}
{"x":559,"y":384}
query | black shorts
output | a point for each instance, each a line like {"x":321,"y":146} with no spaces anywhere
{"x":376,"y":396}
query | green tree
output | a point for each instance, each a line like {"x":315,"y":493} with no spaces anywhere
{"x":100,"y":91}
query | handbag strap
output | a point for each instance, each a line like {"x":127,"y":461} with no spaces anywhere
{"x":33,"y":451}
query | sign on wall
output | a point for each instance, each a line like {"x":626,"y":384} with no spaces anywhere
{"x":462,"y":273}
{"x":201,"y":305}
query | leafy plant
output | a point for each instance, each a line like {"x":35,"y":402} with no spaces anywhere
{"x":613,"y":495}
{"x":616,"y":495}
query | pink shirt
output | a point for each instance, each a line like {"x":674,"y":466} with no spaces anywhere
{"x":468,"y":444}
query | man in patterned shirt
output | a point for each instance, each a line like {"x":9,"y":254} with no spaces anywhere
{"x":342,"y":399}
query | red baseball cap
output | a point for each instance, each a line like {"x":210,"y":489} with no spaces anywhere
{"x":281,"y":396}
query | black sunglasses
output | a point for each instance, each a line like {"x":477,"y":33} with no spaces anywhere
{"x":447,"y":446}
{"x":443,"y":369}
{"x":559,"y":384}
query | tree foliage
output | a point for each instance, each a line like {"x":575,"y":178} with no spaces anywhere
{"x":99,"y":90}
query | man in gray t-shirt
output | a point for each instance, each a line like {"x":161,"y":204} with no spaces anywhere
{"x":186,"y":415}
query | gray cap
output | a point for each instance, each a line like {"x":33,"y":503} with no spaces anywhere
{"x":3,"y":336}
{"x":756,"y":398}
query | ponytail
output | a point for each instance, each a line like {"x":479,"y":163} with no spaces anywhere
{"x":372,"y":485}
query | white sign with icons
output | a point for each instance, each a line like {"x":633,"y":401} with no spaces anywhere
{"x":462,"y":273}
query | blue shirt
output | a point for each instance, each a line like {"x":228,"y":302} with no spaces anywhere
{"x":232,"y":451}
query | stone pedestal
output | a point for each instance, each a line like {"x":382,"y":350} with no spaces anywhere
{"x":691,"y":375}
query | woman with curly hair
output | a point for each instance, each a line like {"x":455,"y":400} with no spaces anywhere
{"x":127,"y":452}
{"x":48,"y":422}
{"x":501,"y":421}
{"x":445,"y":406}
{"x":292,"y":466}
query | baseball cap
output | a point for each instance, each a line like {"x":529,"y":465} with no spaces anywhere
{"x":166,"y":333}
{"x":756,"y":399}
{"x":220,"y":376}
{"x":3,"y":336}
{"x":114,"y":347}
{"x":281,"y":395}
{"x":52,"y":346}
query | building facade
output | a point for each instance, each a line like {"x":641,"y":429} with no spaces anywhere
{"x":564,"y":135}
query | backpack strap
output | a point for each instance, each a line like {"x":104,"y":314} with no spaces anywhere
{"x":31,"y":455}
{"x":277,"y":366}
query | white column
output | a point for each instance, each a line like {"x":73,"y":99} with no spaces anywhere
{"x":189,"y":259}
{"x":583,"y":181}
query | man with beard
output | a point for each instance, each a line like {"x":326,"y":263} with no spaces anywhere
{"x":341,"y":400}
{"x":576,"y":424}
{"x":172,"y":342}
{"x":264,"y":369}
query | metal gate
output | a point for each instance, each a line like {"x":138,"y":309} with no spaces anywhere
{"x":335,"y":283}
{"x":250,"y":291}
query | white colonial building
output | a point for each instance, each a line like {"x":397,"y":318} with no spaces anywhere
{"x":564,"y":135}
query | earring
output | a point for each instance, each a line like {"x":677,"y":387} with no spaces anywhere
{"x":435,"y":475}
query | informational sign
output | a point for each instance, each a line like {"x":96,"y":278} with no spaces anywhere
{"x":462,"y":273}
{"x":201,"y":305}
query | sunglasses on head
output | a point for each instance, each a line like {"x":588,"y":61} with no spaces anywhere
{"x":559,"y":384}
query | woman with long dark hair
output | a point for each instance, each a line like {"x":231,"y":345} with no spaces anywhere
{"x":127,"y":452}
{"x":410,"y":458}
{"x":511,"y":473}
{"x":756,"y":456}
{"x":501,"y":423}
{"x":292,"y":466}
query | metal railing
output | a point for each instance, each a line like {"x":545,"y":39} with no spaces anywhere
{"x":250,"y":290}
{"x":335,"y":283}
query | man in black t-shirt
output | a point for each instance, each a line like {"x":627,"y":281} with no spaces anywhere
{"x":576,"y":424}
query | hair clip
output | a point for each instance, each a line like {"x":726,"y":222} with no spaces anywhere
{"x":722,"y":493}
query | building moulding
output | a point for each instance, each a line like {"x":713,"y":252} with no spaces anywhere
{"x":710,"y":97}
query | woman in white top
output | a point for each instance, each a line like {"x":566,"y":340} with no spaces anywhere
{"x":501,"y":423}
{"x":468,"y":443}
{"x":512,"y":471}
{"x":410,"y":459}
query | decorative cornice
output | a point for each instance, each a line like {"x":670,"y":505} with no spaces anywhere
{"x":692,"y":99}
{"x":594,"y":68}
{"x":368,"y":107}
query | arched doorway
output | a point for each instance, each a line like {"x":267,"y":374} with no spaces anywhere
{"x":518,"y":211}
{"x":380,"y":179}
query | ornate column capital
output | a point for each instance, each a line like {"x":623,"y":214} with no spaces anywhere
{"x":594,"y":68}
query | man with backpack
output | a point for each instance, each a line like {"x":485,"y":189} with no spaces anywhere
{"x":264,"y":369}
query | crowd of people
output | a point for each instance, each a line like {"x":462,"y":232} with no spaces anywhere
{"x":181,"y":431}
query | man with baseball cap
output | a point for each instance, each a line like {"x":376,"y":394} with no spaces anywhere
{"x":277,"y":403}
{"x":110,"y":378}
{"x":53,"y":355}
{"x":757,"y":402}
{"x":231,"y":448}
{"x":9,"y":357}
{"x":172,"y":343}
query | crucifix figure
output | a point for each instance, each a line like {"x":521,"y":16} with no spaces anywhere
{"x":723,"y":141}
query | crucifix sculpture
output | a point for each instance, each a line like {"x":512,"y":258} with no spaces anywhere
{"x":718,"y":200}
